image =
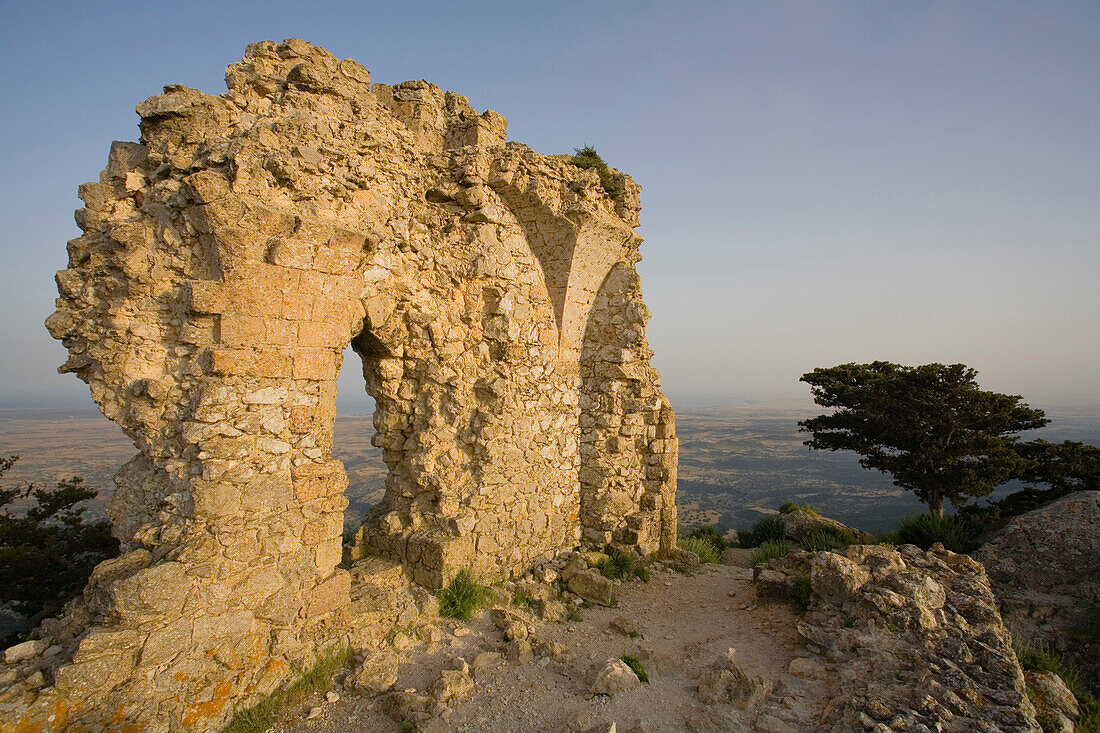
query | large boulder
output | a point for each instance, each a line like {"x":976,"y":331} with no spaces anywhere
{"x":912,"y":641}
{"x":1045,"y":571}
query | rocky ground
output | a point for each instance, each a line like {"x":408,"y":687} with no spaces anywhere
{"x":680,"y":626}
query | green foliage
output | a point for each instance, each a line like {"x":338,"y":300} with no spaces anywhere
{"x":770,"y":550}
{"x":265,"y":714}
{"x":930,"y":427}
{"x":703,"y":549}
{"x":710,"y":533}
{"x":461,"y":597}
{"x":769,"y":528}
{"x":789,"y":506}
{"x":801,"y":590}
{"x":586,"y":158}
{"x":1066,"y":467}
{"x":573,"y":615}
{"x":47,"y":550}
{"x":635,"y":665}
{"x":1038,"y":656}
{"x":619,"y":565}
{"x":924,"y":530}
{"x":826,"y":538}
{"x":890,"y":537}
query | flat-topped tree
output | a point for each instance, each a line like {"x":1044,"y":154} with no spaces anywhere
{"x":931,"y":427}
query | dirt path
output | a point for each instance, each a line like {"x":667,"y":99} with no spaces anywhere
{"x":683,"y":623}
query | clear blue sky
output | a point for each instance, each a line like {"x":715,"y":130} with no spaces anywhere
{"x":822,"y":182}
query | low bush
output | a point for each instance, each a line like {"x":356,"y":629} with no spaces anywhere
{"x":48,"y":548}
{"x":711,"y":534}
{"x":619,"y":565}
{"x":770,"y":528}
{"x":703,"y":549}
{"x":265,"y":714}
{"x":924,"y":530}
{"x":801,"y":590}
{"x":461,"y":597}
{"x":635,"y":665}
{"x":826,"y":538}
{"x":789,"y":506}
{"x":523,"y":598}
{"x":770,"y":550}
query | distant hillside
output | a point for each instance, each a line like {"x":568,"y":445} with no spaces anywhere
{"x":735,"y":463}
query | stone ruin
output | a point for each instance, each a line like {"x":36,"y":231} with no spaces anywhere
{"x":227,"y":261}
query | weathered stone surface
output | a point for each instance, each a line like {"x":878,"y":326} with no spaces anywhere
{"x":226,"y":262}
{"x":911,"y":641}
{"x":24,"y":650}
{"x":451,"y":683}
{"x":1056,"y":707}
{"x":1045,"y":571}
{"x":615,"y":676}
{"x":724,"y":682}
{"x":377,"y":673}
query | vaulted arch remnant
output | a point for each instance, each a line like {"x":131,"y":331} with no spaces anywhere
{"x":227,"y":261}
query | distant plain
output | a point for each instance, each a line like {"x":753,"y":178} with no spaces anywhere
{"x":736,"y":463}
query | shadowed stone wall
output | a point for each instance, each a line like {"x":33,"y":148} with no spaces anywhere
{"x":227,"y":260}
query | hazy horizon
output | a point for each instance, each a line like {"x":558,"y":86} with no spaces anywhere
{"x":821,"y":183}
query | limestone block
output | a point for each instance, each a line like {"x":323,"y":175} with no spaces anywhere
{"x":592,"y":586}
{"x":615,"y":676}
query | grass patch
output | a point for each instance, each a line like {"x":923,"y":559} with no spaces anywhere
{"x":573,"y":615}
{"x":586,"y":158}
{"x":635,"y":665}
{"x":789,"y":506}
{"x":826,"y":538}
{"x":619,"y":565}
{"x":924,"y":530}
{"x":770,"y":550}
{"x":1038,"y":656}
{"x":703,"y":549}
{"x":266,"y":713}
{"x":770,"y":528}
{"x":461,"y":597}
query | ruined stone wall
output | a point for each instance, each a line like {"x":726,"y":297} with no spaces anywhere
{"x":227,"y":260}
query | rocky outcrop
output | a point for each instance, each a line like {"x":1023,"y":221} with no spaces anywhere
{"x":909,"y":640}
{"x":1045,"y":571}
{"x":227,"y":260}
